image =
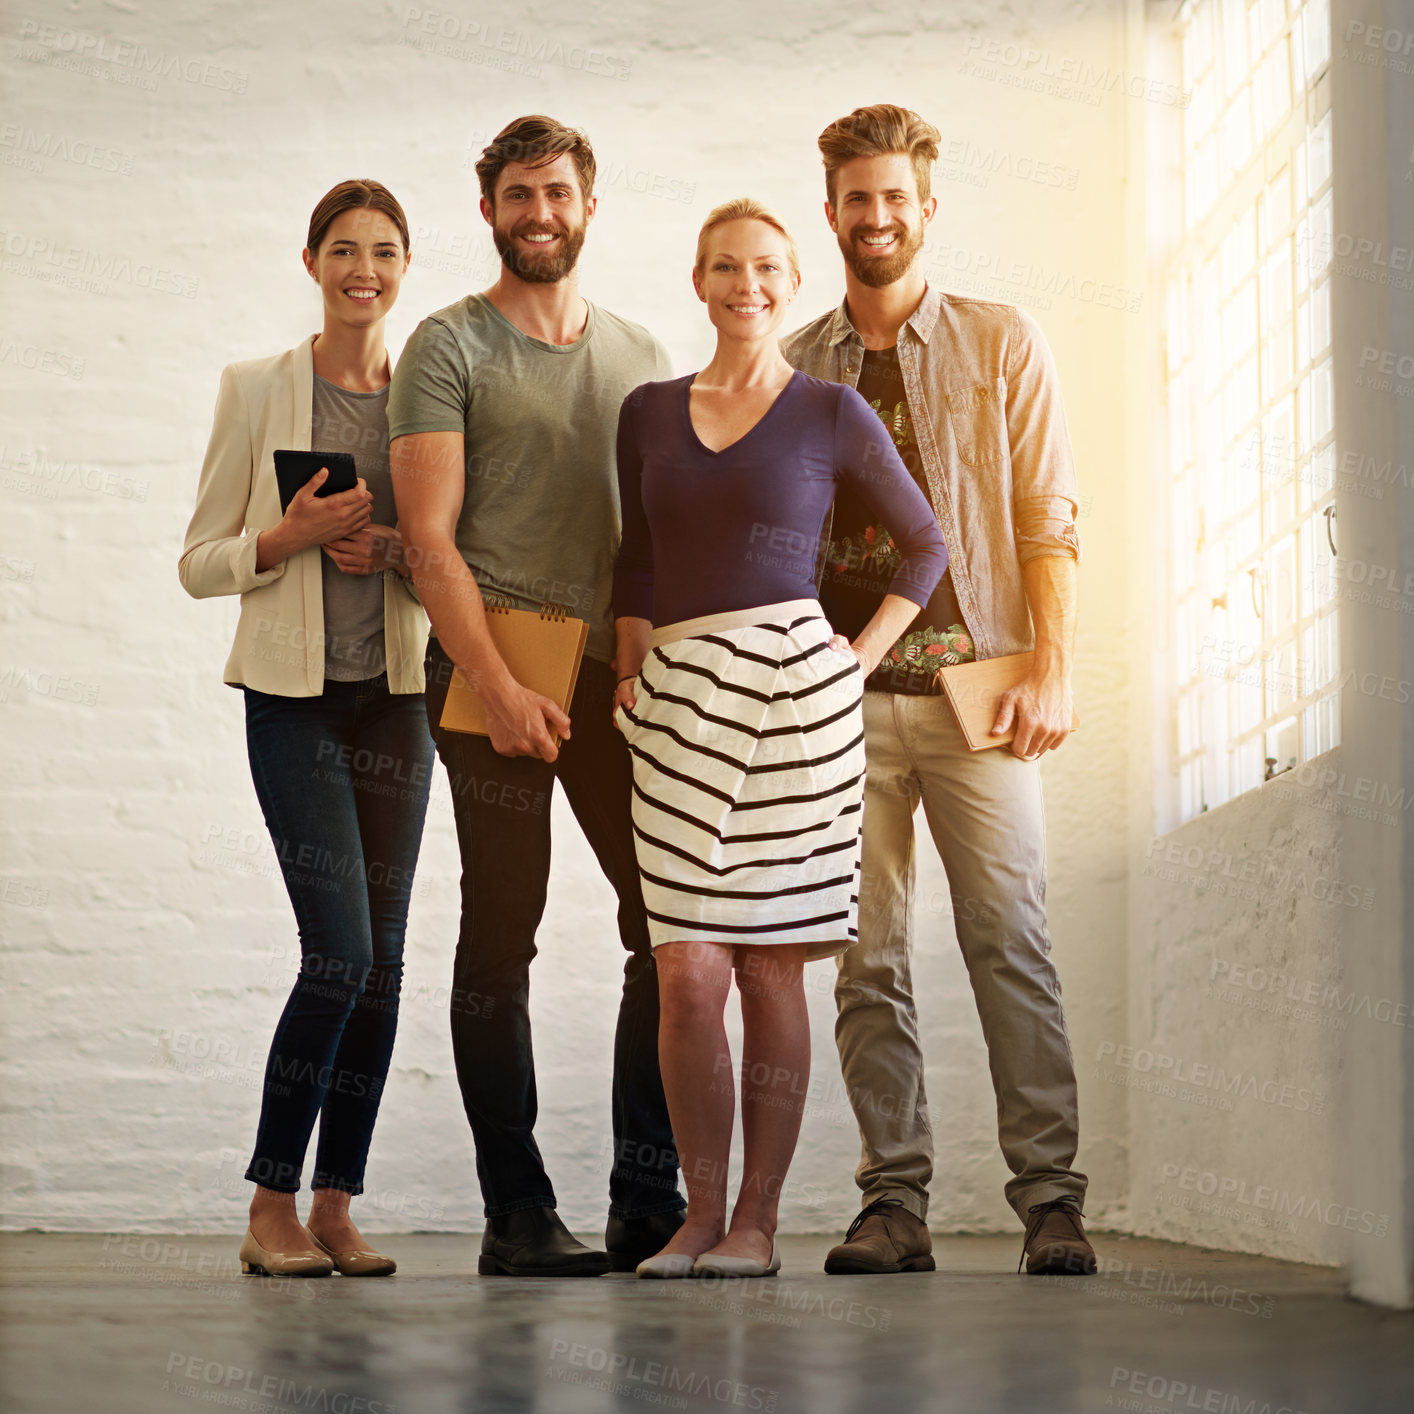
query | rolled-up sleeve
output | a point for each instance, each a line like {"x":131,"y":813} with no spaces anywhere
{"x":1045,"y":493}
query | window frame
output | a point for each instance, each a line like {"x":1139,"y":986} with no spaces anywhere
{"x":1247,"y":486}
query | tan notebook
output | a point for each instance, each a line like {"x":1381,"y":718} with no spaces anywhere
{"x":543,"y":651}
{"x":975,"y":689}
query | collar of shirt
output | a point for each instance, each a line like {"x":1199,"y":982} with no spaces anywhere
{"x":921,"y":321}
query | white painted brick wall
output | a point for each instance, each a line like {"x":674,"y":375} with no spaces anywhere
{"x":1235,"y":1073}
{"x":146,"y":955}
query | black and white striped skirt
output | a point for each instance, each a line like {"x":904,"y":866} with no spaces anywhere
{"x":748,"y":780}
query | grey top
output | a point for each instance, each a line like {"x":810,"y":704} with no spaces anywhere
{"x":353,"y":603}
{"x":540,"y":509}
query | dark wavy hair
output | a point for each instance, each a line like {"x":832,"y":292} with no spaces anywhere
{"x":535,"y":140}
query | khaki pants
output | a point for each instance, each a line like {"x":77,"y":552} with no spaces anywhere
{"x":985,"y":814}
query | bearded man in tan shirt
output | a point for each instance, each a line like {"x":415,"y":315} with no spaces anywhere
{"x":968,"y":392}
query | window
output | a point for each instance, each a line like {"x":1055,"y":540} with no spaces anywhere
{"x":1250,"y":468}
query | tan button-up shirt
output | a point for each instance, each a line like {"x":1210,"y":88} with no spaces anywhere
{"x":991,"y":431}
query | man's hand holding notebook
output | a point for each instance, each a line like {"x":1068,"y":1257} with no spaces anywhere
{"x":977,"y":692}
{"x":542,"y":652}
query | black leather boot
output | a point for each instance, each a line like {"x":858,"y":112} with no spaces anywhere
{"x":535,"y":1243}
{"x":630,"y":1240}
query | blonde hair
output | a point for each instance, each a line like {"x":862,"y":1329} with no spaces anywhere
{"x":744,"y":208}
{"x":880,"y":131}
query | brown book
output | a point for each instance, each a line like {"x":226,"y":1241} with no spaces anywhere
{"x":543,"y":652}
{"x":975,"y":689}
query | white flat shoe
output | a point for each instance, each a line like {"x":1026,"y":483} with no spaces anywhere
{"x":666,"y":1266}
{"x":710,"y":1266}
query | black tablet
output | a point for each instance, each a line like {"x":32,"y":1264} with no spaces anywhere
{"x":293,"y":469}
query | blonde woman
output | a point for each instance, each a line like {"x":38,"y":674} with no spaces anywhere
{"x":741,"y":708}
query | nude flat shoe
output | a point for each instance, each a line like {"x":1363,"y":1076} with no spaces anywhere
{"x":257,"y":1261}
{"x":667,"y":1266}
{"x":710,"y":1266}
{"x":359,"y":1264}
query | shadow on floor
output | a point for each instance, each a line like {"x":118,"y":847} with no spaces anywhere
{"x":140,"y":1324}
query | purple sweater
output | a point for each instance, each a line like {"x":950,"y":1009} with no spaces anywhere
{"x":709,"y":532}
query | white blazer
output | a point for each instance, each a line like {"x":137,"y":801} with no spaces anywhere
{"x":263,"y":405}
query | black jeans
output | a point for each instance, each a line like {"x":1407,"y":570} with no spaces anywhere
{"x":343,"y":781}
{"x":502,"y":810}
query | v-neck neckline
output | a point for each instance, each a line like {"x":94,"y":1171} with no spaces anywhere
{"x":692,"y":430}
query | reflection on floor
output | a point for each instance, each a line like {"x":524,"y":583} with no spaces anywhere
{"x":124,"y":1324}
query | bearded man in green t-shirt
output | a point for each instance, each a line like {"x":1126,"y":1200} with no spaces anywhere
{"x":502,"y":419}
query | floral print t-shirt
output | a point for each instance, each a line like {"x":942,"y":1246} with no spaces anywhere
{"x":861,"y":557}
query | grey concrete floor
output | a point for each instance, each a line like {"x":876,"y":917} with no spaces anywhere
{"x":143,"y":1325}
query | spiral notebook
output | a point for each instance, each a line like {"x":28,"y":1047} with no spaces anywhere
{"x":542,"y":650}
{"x":975,"y":689}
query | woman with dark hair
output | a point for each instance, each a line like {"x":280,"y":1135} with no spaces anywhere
{"x":328,"y":654}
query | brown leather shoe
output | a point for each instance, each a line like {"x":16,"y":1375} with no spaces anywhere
{"x":885,"y":1237}
{"x":1056,"y":1245}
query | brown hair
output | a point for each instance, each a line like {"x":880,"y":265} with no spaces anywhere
{"x":355,"y":196}
{"x":534,"y":141}
{"x":744,"y":208}
{"x":880,"y":131}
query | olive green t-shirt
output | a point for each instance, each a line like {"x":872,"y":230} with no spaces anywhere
{"x":539,"y":522}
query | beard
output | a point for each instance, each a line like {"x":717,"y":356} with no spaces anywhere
{"x":879,"y":270}
{"x":533,"y":268}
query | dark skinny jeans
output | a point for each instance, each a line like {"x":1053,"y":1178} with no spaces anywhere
{"x":502,"y":810}
{"x":342,"y":780}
